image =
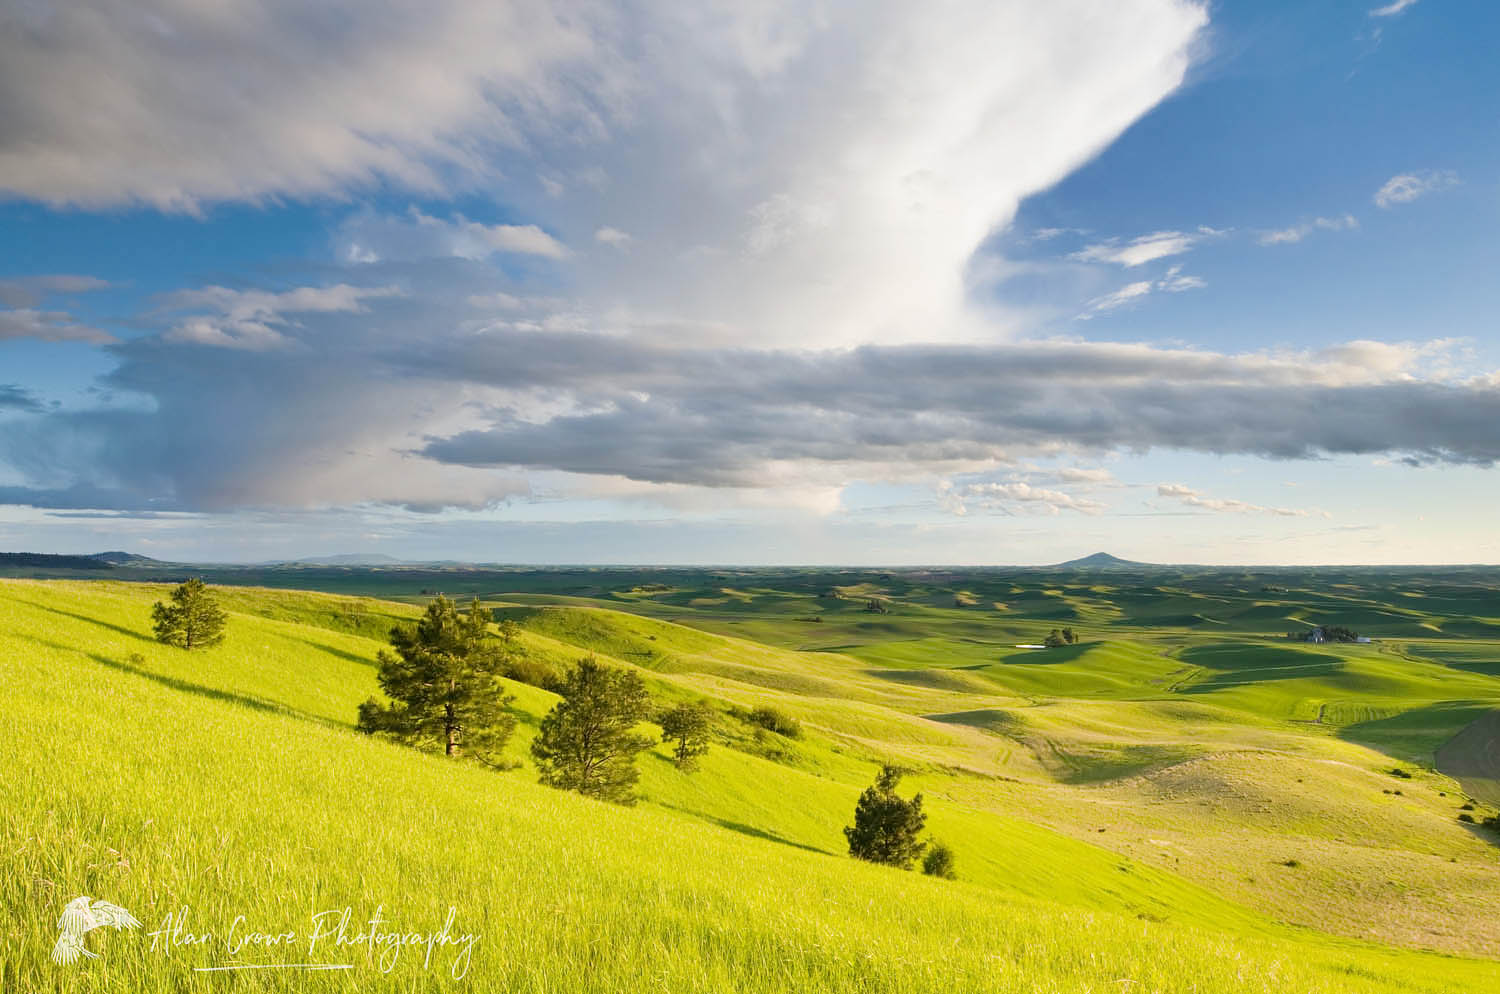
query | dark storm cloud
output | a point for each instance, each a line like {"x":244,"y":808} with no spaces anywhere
{"x":419,"y":399}
{"x":714,"y":417}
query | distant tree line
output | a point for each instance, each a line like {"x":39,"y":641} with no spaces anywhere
{"x":1325,"y":633}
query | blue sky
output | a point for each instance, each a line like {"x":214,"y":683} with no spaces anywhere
{"x":752,"y":283}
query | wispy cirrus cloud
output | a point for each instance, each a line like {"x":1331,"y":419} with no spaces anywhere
{"x":48,"y":326}
{"x":28,"y":291}
{"x":1392,"y":9}
{"x":1196,"y":498}
{"x":1174,"y":281}
{"x":1141,"y":250}
{"x":1403,"y":188}
{"x":1297,"y":232}
{"x":256,"y":320}
{"x":368,"y":238}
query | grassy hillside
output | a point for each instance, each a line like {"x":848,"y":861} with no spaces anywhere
{"x":229,"y":782}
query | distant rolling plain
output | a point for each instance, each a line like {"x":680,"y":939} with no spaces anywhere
{"x":1185,"y":797}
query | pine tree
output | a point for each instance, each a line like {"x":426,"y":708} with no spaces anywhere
{"x":193,"y":620}
{"x":443,"y":684}
{"x":687,"y":725}
{"x":885,"y":826}
{"x":588,"y":741}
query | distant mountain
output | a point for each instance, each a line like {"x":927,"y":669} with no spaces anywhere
{"x":125,"y":559}
{"x":1099,"y":560}
{"x":352,"y":559}
{"x":42,"y":560}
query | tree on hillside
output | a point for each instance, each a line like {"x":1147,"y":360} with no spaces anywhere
{"x":588,"y":742}
{"x":1069,"y":636}
{"x":886,"y":827}
{"x":443,"y":686}
{"x":193,"y":620}
{"x":687,"y":725}
{"x":1054,"y":639}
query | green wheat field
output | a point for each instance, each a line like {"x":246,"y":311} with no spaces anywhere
{"x":1183,"y":801}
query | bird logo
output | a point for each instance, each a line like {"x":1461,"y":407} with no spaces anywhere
{"x":79,"y":918}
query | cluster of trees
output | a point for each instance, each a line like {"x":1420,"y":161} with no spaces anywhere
{"x":441,"y":679}
{"x":887,"y":829}
{"x":1058,"y":637}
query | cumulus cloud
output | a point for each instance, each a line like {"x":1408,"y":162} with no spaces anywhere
{"x":1297,"y":232}
{"x":1406,"y":187}
{"x":1196,"y":498}
{"x":784,"y":170}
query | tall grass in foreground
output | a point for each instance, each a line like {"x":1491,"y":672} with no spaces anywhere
{"x":160,"y":797}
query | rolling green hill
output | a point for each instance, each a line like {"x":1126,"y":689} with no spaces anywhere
{"x":1107,"y":805}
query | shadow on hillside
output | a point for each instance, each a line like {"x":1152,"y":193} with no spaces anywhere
{"x":743,"y":829}
{"x":352,"y":657}
{"x":188,"y":687}
{"x":1049,"y":657}
{"x":198,"y":689}
{"x":121,"y":629}
{"x":1239,"y":663}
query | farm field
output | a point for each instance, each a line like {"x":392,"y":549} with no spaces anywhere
{"x":1184,"y":804}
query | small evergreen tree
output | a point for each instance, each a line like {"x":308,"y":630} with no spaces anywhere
{"x":886,"y":827}
{"x":442,"y":682}
{"x":1054,"y":639}
{"x":193,"y":620}
{"x":588,"y":742}
{"x":939,"y":861}
{"x":1069,"y":636}
{"x":687,"y":725}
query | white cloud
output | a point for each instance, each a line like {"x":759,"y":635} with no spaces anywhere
{"x":1196,"y":498}
{"x":1172,"y":282}
{"x":1392,"y":9}
{"x":1118,"y":298}
{"x":368,"y":238}
{"x":1297,"y":232}
{"x":1146,"y":248}
{"x":1076,"y":474}
{"x":256,"y":320}
{"x":28,"y":291}
{"x":1008,"y":498}
{"x":48,"y":326}
{"x":611,"y":236}
{"x":776,"y":189}
{"x":1406,"y":187}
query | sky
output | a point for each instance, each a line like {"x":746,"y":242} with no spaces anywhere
{"x":751,"y":282}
